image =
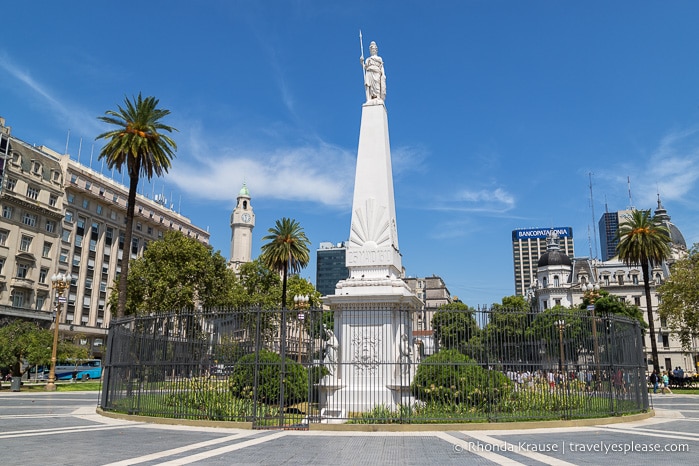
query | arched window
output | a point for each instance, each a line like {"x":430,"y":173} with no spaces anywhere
{"x":556,"y":282}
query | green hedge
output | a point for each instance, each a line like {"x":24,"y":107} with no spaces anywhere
{"x":450,"y":377}
{"x":242,"y":382}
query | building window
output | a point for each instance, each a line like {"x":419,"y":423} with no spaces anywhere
{"x":7,"y":211}
{"x":555,"y":281}
{"x":115,"y":198}
{"x":69,"y":216}
{"x":620,"y":279}
{"x":150,"y":230}
{"x":18,"y":298}
{"x":138,"y":226}
{"x":50,"y":226}
{"x":29,"y":219}
{"x":63,"y":258}
{"x":2,"y":264}
{"x":71,"y":198}
{"x":76,"y":259}
{"x":22,"y":270}
{"x":26,"y":243}
{"x":53,"y":200}
{"x":99,"y":209}
{"x":46,"y":252}
{"x":3,"y":237}
{"x":40,"y":300}
{"x":32,"y":193}
{"x":74,"y":178}
{"x":88,"y":185}
{"x":113,"y":215}
{"x":11,"y":183}
{"x":666,"y":341}
{"x":637,"y":300}
{"x":43,"y":273}
{"x":634,"y":278}
{"x":66,"y":236}
{"x":86,"y":204}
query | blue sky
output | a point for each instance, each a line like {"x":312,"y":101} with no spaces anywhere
{"x":498,"y":111}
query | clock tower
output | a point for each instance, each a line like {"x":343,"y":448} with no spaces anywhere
{"x":242,"y":223}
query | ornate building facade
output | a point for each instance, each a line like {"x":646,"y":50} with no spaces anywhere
{"x":63,"y":217}
{"x":564,"y":281}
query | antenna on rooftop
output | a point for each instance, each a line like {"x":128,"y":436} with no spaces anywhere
{"x":67,"y":141}
{"x":80,"y":149}
{"x":92,"y":151}
{"x":628,"y":183}
{"x":594,"y":225}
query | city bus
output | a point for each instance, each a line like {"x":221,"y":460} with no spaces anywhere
{"x":84,"y":369}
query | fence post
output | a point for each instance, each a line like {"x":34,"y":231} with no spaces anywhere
{"x":107,"y":368}
{"x":257,"y":363}
{"x":282,"y":367}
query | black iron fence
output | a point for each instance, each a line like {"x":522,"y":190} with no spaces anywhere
{"x":285,"y":369}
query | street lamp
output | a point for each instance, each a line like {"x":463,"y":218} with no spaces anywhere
{"x":561,"y":324}
{"x":300,"y":302}
{"x":591,"y":292}
{"x":60,"y":283}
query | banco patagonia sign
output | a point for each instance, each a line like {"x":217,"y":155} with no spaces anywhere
{"x":534,"y":233}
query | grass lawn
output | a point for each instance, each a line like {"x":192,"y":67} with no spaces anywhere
{"x":60,"y":387}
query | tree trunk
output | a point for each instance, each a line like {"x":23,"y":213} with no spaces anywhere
{"x":284,"y":273}
{"x":651,"y":321}
{"x":128,"y":234}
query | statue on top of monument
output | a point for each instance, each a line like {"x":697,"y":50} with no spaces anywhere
{"x":374,"y":75}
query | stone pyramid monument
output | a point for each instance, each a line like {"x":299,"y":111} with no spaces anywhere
{"x":369,"y":352}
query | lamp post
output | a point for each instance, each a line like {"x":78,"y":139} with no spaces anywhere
{"x":591,"y":292}
{"x":561,"y":324}
{"x":300,"y":302}
{"x":60,"y":283}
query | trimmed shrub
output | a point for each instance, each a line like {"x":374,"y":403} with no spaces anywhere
{"x":451,"y":377}
{"x":242,"y":382}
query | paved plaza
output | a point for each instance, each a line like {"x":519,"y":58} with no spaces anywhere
{"x":63,"y":429}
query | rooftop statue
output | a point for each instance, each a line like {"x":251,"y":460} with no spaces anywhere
{"x":374,"y":74}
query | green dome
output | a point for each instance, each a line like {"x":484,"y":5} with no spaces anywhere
{"x":244,"y":191}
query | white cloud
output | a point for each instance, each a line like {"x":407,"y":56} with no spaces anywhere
{"x":671,"y":169}
{"x":322,"y":174}
{"x":495,"y":201}
{"x":81,"y":120}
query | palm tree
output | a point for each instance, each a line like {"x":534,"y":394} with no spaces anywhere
{"x":138,"y":144}
{"x":287,"y":250}
{"x":644,"y":241}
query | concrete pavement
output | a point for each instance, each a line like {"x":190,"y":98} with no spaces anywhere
{"x":63,"y":428}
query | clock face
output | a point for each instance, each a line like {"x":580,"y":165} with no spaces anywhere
{"x":246,"y":217}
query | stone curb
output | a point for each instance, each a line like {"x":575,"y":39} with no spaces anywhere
{"x":526,"y":425}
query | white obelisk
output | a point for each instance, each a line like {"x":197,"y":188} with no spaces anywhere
{"x":373,"y":307}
